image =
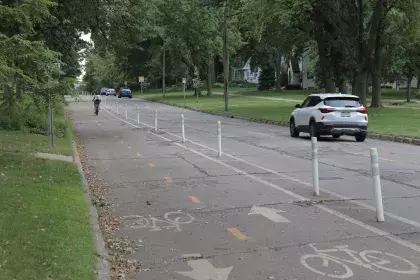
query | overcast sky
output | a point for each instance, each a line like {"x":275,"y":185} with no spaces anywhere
{"x":85,"y":37}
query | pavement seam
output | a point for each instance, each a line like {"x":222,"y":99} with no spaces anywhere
{"x":373,"y":229}
{"x":103,"y":272}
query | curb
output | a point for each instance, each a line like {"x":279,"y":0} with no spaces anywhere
{"x":102,"y":265}
{"x":371,"y":135}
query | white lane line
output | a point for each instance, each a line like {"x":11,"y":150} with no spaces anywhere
{"x":286,"y":177}
{"x":377,"y":231}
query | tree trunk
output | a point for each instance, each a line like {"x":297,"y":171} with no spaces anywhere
{"x":330,"y":86}
{"x":377,"y":78}
{"x":418,"y":81}
{"x":6,"y":92}
{"x":209,"y":78}
{"x":397,"y":85}
{"x":213,"y":72}
{"x":376,"y":90}
{"x":376,"y":71}
{"x":409,"y":80}
{"x":344,"y":87}
{"x":164,"y":71}
{"x":360,"y":86}
{"x":18,"y":89}
{"x":367,"y":85}
{"x":278,"y":72}
{"x":353,"y":87}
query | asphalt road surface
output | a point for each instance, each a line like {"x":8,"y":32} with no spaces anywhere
{"x":250,"y":214}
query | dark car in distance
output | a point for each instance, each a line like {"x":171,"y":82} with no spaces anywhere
{"x":125,"y":92}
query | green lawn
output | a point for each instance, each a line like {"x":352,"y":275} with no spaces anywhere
{"x":398,"y":121}
{"x":45,"y":230}
{"x":387,"y":94}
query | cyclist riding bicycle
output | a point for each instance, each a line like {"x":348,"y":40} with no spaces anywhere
{"x":96,"y":101}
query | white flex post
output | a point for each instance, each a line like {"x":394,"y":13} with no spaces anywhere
{"x":118,"y":110}
{"x":315,"y":173}
{"x":377,"y":185}
{"x":156,"y":120}
{"x":138,"y":115}
{"x":126,"y":113}
{"x":219,"y":137}
{"x":183,"y":128}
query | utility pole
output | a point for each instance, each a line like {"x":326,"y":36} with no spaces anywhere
{"x":226,"y":57}
{"x":50,"y":114}
{"x":51,"y":124}
{"x":164,"y":70}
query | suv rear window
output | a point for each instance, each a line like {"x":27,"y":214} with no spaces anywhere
{"x":345,"y":102}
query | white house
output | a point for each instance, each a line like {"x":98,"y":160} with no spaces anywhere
{"x":298,"y":72}
{"x":246,"y":74}
{"x":403,"y":84}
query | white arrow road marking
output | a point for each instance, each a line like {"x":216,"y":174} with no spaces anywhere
{"x":269,"y":213}
{"x":204,"y":270}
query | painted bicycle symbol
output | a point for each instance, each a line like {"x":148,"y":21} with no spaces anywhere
{"x":171,"y":220}
{"x":377,"y":261}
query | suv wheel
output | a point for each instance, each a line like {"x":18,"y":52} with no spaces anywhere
{"x":360,"y":137}
{"x":293,"y":131}
{"x":312,"y":130}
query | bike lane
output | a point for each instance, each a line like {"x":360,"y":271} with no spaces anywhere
{"x":190,"y":217}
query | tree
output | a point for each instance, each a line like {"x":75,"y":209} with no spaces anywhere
{"x":267,"y":79}
{"x":101,"y":71}
{"x":271,"y":33}
{"x":197,"y":83}
{"x":23,"y":60}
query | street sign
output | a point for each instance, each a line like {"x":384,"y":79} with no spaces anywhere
{"x":141,"y":79}
{"x":184,"y":80}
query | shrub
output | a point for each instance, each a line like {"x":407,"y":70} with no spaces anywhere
{"x":267,"y":78}
{"x":32,"y":118}
{"x":294,"y":87}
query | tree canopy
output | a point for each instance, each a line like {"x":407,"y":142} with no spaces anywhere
{"x":353,"y":43}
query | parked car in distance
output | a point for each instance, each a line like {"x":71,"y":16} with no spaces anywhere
{"x":103,"y":91}
{"x":125,"y":92}
{"x":330,"y":114}
{"x":111,"y":91}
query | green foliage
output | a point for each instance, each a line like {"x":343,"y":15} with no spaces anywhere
{"x":267,"y":78}
{"x":101,"y":71}
{"x":197,"y":82}
{"x":32,"y":117}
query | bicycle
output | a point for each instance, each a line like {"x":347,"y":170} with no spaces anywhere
{"x":370,"y":259}
{"x":96,"y":109}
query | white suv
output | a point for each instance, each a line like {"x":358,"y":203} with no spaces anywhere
{"x":111,"y":91}
{"x":330,"y":114}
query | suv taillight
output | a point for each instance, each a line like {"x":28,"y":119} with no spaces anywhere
{"x":326,"y":110}
{"x":362,"y":111}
